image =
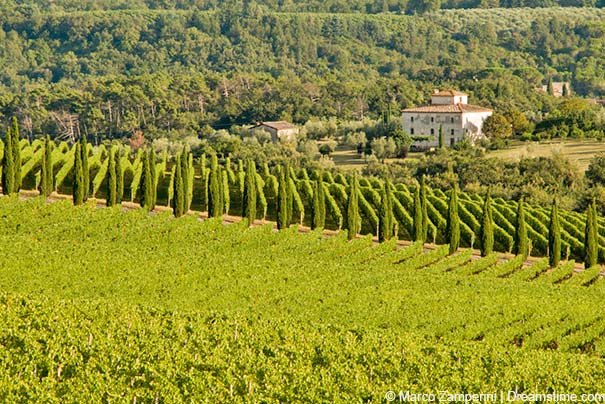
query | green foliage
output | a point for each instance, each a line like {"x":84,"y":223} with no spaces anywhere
{"x":453,"y":222}
{"x":85,"y":168}
{"x":8,"y":165}
{"x":318,"y":205}
{"x":591,"y":241}
{"x":282,"y":202}
{"x":250,"y":193}
{"x":78,"y":176}
{"x":16,"y":148}
{"x":387,"y":227}
{"x":554,"y":236}
{"x":47,"y":173}
{"x":112,"y":179}
{"x":216,"y":194}
{"x":418,"y":217}
{"x":178,"y":199}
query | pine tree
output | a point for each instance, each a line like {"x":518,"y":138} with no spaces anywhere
{"x":554,"y":236}
{"x":112,"y":187}
{"x":520,"y":242}
{"x":591,"y":246}
{"x":78,"y":181}
{"x":8,"y":165}
{"x":119,"y":176}
{"x":46,"y":175}
{"x":178,"y":200}
{"x":486,"y":231}
{"x":318,"y":207}
{"x":386,"y":219}
{"x":452,"y":228}
{"x":353,"y":218}
{"x":417,"y":231}
{"x":85,"y":170}
{"x":282,"y":201}
{"x":16,"y":155}
{"x":441,"y":137}
{"x":424,"y":205}
{"x":249,"y":194}
{"x":154,"y":178}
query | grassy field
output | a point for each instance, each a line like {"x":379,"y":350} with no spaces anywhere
{"x":578,"y":152}
{"x":99,"y":305}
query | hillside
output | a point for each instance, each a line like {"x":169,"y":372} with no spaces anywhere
{"x":114,"y":72}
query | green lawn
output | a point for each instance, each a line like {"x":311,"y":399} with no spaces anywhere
{"x":578,"y":151}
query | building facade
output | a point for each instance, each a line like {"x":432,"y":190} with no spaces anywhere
{"x":450,"y":111}
{"x":279,"y":130}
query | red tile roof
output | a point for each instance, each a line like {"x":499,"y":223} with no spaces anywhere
{"x":277,"y":125}
{"x":448,"y":108}
{"x":448,"y":93}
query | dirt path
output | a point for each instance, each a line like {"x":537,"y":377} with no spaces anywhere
{"x":228,"y":219}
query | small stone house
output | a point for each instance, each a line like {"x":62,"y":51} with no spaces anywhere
{"x":279,"y":130}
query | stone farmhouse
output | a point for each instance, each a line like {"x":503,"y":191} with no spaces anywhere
{"x":279,"y":130}
{"x":450,"y":110}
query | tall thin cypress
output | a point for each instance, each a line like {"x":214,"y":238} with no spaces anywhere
{"x":46,"y":175}
{"x":353,"y":218}
{"x":8,"y":165}
{"x":554,"y":236}
{"x":119,"y":176}
{"x":486,"y":231}
{"x":154,"y":178}
{"x":289,"y":195}
{"x":424,"y":205}
{"x":520,"y":241}
{"x":386,"y":218}
{"x":591,"y":246}
{"x":417,"y":223}
{"x":112,"y":186}
{"x":452,"y":228}
{"x":249,"y":194}
{"x":282,"y":201}
{"x":215,"y":192}
{"x":145,"y":189}
{"x":16,"y":155}
{"x":78,"y":181}
{"x":85,"y":170}
{"x":441,"y":137}
{"x":185,"y":174}
{"x":318,"y":207}
{"x":178,"y":200}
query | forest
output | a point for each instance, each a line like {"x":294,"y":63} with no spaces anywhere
{"x":111,"y":70}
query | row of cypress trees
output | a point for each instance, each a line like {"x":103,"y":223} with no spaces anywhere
{"x":11,"y":160}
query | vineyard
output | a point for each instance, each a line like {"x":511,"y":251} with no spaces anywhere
{"x":102,"y":305}
{"x":302,"y":185}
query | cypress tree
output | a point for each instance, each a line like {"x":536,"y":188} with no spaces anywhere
{"x":249,"y":194}
{"x":289,"y":195}
{"x":78,"y":181}
{"x":486,"y":231}
{"x":185,"y":174}
{"x":282,"y":201}
{"x":318,"y":207}
{"x":16,"y":155}
{"x":565,"y":91}
{"x":178,"y":200}
{"x":8,"y":165}
{"x":85,"y":170}
{"x":441,"y":137}
{"x":119,"y":176}
{"x":520,"y":242}
{"x":554,"y":236}
{"x":591,"y":246}
{"x":386,"y":219}
{"x":452,"y":228}
{"x":424,"y":205}
{"x":215,"y":193}
{"x":204,"y":174}
{"x":417,"y":230}
{"x":145,"y":190}
{"x":46,"y":176}
{"x":154,"y":178}
{"x":353,"y":218}
{"x":549,"y":87}
{"x":190,"y":180}
{"x":112,"y":188}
